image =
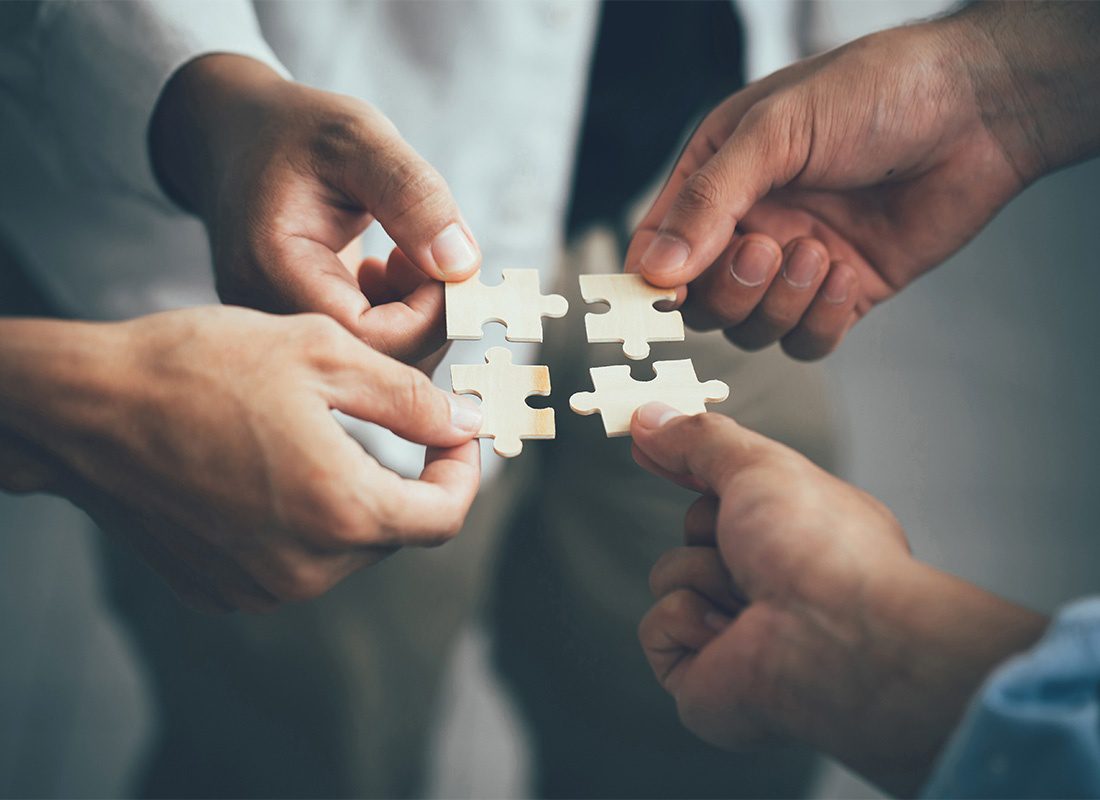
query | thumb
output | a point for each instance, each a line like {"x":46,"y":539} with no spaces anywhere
{"x":409,"y":198}
{"x":710,"y":190}
{"x":703,"y":451}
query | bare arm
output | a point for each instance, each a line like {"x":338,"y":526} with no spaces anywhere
{"x":205,"y":438}
{"x":815,"y":194}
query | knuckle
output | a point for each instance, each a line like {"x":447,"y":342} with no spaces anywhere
{"x":700,"y":427}
{"x":320,"y":329}
{"x":411,"y":186}
{"x":442,"y":531}
{"x":341,"y":134}
{"x":776,"y":319}
{"x":701,"y":192}
{"x":452,"y":527}
{"x":304,"y":580}
{"x":350,"y":522}
{"x":728,"y":306}
{"x":658,"y":575}
{"x":821,"y":331}
{"x":415,"y":392}
{"x":674,"y":606}
{"x":336,"y":516}
{"x":439,"y":538}
{"x":322,"y":339}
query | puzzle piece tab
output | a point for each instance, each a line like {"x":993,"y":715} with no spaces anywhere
{"x":515,"y":303}
{"x":618,"y":395}
{"x":632,"y":319}
{"x":504,"y":388}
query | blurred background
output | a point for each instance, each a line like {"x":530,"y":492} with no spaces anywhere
{"x":968,"y":408}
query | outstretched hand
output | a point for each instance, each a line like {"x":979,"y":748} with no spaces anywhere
{"x":809,"y":197}
{"x":205,"y":438}
{"x":285,"y":176}
{"x":795,"y":610}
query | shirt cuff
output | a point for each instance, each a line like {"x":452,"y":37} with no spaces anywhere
{"x":104,"y":65}
{"x":1034,"y":728}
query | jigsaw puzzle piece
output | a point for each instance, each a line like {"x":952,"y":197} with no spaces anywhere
{"x":515,"y":303}
{"x":504,"y":388}
{"x":632,"y":318}
{"x":618,"y":396}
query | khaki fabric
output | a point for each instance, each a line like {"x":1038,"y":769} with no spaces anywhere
{"x":331,"y":698}
{"x":571,"y":583}
{"x":336,"y":697}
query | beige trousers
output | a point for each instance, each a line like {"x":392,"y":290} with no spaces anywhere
{"x":335,"y":697}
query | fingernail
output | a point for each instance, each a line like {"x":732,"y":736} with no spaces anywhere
{"x":836,"y":288}
{"x":802,"y":266}
{"x":715,"y":621}
{"x":465,"y":415}
{"x":752,"y":262}
{"x":453,"y":251}
{"x":654,"y":415}
{"x":665,"y":254}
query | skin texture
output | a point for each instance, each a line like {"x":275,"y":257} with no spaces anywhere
{"x":795,"y":610}
{"x":813,"y":195}
{"x":206,"y":438}
{"x":286,"y":177}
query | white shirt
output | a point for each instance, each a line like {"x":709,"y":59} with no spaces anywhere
{"x":490,"y":92}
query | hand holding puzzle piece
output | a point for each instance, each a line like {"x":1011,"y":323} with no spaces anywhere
{"x":504,"y":388}
{"x":618,"y":395}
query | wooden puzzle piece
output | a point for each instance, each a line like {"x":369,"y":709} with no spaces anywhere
{"x":504,"y":388}
{"x":632,"y":319}
{"x":515,"y":303}
{"x":618,"y":395}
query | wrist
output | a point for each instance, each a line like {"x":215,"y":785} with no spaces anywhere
{"x":1034,"y":71}
{"x":930,"y":641}
{"x":64,"y":384}
{"x":208,"y":116}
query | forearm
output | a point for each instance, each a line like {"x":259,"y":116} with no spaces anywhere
{"x":58,"y":386}
{"x":1031,"y":730}
{"x":1035,"y":70}
{"x":937,"y":638}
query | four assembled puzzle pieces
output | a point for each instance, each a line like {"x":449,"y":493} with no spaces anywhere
{"x":517,"y":304}
{"x":618,"y":395}
{"x":504,"y":388}
{"x":632,"y":319}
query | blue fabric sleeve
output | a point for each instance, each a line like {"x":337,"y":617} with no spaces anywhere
{"x":1033,"y":730}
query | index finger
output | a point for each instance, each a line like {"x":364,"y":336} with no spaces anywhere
{"x":702,"y":146}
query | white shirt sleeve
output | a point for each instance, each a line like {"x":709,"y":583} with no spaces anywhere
{"x":88,"y":75}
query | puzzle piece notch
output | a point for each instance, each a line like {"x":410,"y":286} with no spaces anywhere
{"x":618,"y":395}
{"x":504,"y":388}
{"x":515,"y":303}
{"x":632,"y":318}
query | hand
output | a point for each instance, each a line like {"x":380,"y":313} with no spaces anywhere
{"x":809,"y":197}
{"x":206,"y":437}
{"x":796,"y":610}
{"x":286,"y":176}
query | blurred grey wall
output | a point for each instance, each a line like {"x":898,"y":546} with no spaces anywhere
{"x":970,"y":403}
